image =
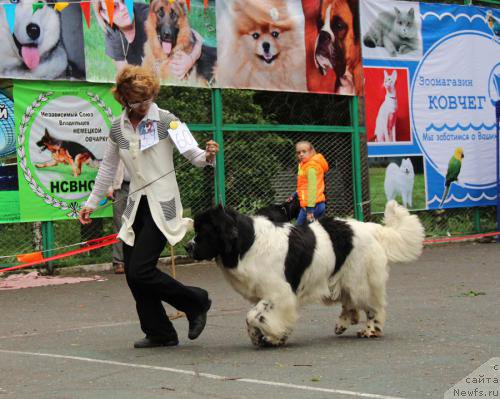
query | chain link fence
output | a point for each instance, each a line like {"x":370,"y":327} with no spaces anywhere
{"x":260,"y":169}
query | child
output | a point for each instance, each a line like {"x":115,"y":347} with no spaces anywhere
{"x":310,"y":182}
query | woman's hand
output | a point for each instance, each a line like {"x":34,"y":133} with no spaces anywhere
{"x":84,"y":215}
{"x":310,"y":217}
{"x":211,"y":150}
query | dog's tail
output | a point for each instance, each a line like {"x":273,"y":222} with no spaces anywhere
{"x":402,"y":235}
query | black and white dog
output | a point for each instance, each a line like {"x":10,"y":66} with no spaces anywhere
{"x":279,"y":267}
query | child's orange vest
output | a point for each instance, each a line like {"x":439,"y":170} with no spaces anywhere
{"x":320,"y":165}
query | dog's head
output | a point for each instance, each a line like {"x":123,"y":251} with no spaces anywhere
{"x":167,"y":26}
{"x":281,"y":213}
{"x":336,"y":41}
{"x":35,"y":34}
{"x":47,"y":142}
{"x":216,"y":234}
{"x":262,"y":26}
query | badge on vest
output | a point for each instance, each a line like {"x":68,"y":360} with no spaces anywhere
{"x":148,"y":134}
{"x":181,"y":136}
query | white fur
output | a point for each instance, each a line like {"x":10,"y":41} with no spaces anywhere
{"x":385,"y":124}
{"x":359,"y":285}
{"x":53,"y":58}
{"x":399,"y":181}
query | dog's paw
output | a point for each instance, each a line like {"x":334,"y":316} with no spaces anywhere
{"x":369,"y":333}
{"x":340,"y":329}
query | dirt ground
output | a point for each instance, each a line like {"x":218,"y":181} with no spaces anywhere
{"x":75,"y":340}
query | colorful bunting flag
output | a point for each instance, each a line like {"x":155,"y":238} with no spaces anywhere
{"x":37,"y":6}
{"x":86,"y":12}
{"x":188,"y":2}
{"x":205,"y":4}
{"x":61,"y":5}
{"x":130,"y":8}
{"x":110,"y":5}
{"x":10,"y":13}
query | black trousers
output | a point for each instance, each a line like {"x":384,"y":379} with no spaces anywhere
{"x":150,"y":286}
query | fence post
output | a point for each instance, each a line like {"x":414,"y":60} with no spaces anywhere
{"x":48,"y":243}
{"x":477,"y":220}
{"x":356,"y":158}
{"x":220,"y":188}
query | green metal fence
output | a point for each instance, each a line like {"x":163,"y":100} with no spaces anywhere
{"x":255,"y":167}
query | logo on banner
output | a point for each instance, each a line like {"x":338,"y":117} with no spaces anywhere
{"x":61,"y":143}
{"x":453,"y":116}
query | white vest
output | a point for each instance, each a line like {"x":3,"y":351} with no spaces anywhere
{"x":147,"y":166}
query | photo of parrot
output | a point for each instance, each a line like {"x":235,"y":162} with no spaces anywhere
{"x":494,"y":24}
{"x":454,"y":167}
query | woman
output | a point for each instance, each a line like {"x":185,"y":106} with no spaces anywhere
{"x":153,"y":215}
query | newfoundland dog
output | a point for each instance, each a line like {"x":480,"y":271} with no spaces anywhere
{"x":279,"y":267}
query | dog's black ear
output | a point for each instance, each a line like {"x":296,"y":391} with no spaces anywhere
{"x":46,"y":132}
{"x":226,"y":227}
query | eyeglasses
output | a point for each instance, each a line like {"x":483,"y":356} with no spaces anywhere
{"x":140,"y":104}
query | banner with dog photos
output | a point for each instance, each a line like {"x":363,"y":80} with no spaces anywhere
{"x":61,"y":137}
{"x":285,"y":45}
{"x":432,"y":81}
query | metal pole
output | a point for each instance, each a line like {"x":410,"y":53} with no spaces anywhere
{"x":48,"y":242}
{"x":497,"y":114}
{"x":220,"y":188}
{"x":356,"y":159}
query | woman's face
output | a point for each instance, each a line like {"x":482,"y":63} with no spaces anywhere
{"x":139,"y":108}
{"x":121,"y":17}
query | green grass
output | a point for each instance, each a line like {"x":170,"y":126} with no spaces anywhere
{"x":377,"y":194}
{"x":99,"y":67}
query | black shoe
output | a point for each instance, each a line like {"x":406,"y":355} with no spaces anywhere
{"x":197,"y":322}
{"x":153,"y":343}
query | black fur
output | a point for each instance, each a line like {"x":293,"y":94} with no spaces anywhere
{"x":341,"y":236}
{"x":222,"y":232}
{"x":301,"y":246}
{"x":281,"y":213}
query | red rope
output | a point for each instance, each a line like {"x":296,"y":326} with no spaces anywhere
{"x":97,"y":243}
{"x":461,"y":238}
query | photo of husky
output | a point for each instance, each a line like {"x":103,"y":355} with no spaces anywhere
{"x":399,"y":180}
{"x":261,"y":45}
{"x":35,"y":49}
{"x":66,"y":152}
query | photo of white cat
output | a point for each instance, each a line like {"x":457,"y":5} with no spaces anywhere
{"x":399,"y":180}
{"x":385,"y":125}
{"x":391,"y":30}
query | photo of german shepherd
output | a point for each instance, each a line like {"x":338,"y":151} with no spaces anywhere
{"x":66,"y":152}
{"x":168,"y":31}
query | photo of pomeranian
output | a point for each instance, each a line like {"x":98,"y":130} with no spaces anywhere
{"x":261,"y":45}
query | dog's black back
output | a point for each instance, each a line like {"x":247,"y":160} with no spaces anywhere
{"x":281,"y":213}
